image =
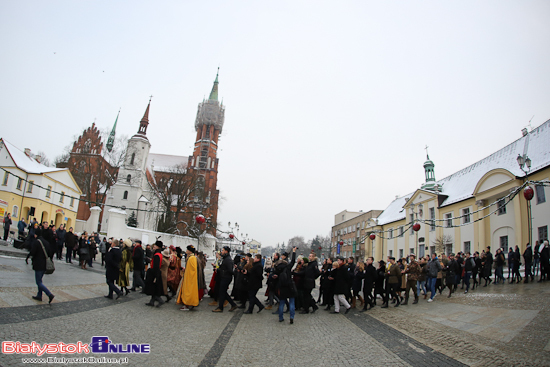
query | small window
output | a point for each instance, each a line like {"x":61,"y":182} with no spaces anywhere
{"x":501,"y":206}
{"x":412,"y":222}
{"x":401,"y":231}
{"x":128,"y":178}
{"x":72,"y":202}
{"x":390,"y":233}
{"x":125,"y":197}
{"x":432,"y":219}
{"x":541,"y":197}
{"x":391,"y":253}
{"x":466,"y":215}
{"x":543,"y":233}
{"x":49,"y":191}
{"x":401,"y":253}
{"x":15,"y":211}
{"x":6,"y":175}
{"x":504,"y":242}
{"x":449,"y":219}
{"x":62,"y":197}
{"x":133,"y":157}
{"x":29,"y":189}
{"x":19,"y":183}
{"x":466,"y":246}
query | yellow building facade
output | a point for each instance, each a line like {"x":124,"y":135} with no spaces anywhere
{"x":29,"y":189}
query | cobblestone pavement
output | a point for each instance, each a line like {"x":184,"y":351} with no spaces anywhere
{"x":493,"y":326}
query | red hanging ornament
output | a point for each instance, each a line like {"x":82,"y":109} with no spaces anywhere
{"x":372,"y":236}
{"x":320,"y":248}
{"x":341,"y":242}
{"x":528,"y":193}
{"x":200,"y":219}
{"x":231,"y":236}
{"x":244,"y":243}
{"x":416,"y":227}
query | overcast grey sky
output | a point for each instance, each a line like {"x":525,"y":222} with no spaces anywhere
{"x":329,"y":104}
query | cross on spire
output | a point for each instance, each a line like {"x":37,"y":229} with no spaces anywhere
{"x":150,"y":97}
{"x":427,"y":156}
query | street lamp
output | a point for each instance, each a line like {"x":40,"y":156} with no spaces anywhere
{"x":524,"y":163}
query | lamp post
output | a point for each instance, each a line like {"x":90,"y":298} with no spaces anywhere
{"x":524,"y":163}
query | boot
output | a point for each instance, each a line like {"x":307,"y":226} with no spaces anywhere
{"x":406,"y":301}
{"x":415,"y":300}
{"x":361,"y":300}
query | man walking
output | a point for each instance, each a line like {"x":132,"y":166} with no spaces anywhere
{"x":7,"y":225}
{"x":139,"y":265}
{"x":70,"y":242}
{"x":61,"y":232}
{"x":112,"y":264}
{"x":40,"y":250}
{"x":528,"y":257}
{"x":225,"y":272}
{"x":255,"y":278}
{"x":434,"y":266}
{"x":285,"y":285}
{"x":310,"y":273}
{"x":393,"y":282}
{"x":21,"y":225}
{"x":469,"y":265}
{"x":413,"y":272}
{"x":368,"y":284}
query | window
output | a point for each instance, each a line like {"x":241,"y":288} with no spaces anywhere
{"x":432,"y":218}
{"x":390,"y":233}
{"x":19,"y":183}
{"x":541,"y":198}
{"x":15,"y":211}
{"x":449,"y":219}
{"x":133,"y":157}
{"x":391,"y":253}
{"x":29,"y":189}
{"x":401,"y":231}
{"x":72,"y":202}
{"x":466,"y":246}
{"x":62,"y":197}
{"x":49,"y":191}
{"x":6,"y":175}
{"x":128,"y":178}
{"x":448,"y":249}
{"x":466,"y":215}
{"x":543,"y":233}
{"x":412,"y":221}
{"x":501,"y":206}
{"x":504,"y":242}
{"x":401,"y":253}
{"x":125,"y":197}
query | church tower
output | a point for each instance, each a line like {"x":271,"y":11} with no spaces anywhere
{"x":132,"y":181}
{"x":204,"y":161}
{"x":430,"y":175}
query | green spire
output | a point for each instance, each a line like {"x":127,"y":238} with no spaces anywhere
{"x":111,"y":140}
{"x":214,"y":93}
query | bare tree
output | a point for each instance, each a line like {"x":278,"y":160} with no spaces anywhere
{"x":441,"y":241}
{"x":296,"y":241}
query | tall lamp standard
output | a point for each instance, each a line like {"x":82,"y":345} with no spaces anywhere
{"x":524,"y":163}
{"x":235,"y":229}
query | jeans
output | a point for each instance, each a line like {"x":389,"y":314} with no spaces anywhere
{"x":38,"y":275}
{"x":291,"y":306}
{"x":421,"y":285}
{"x":431,"y":286}
{"x":113,"y":288}
{"x":467,"y":276}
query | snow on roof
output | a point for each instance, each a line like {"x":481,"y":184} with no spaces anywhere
{"x":26,"y":163}
{"x":461,"y":185}
{"x":165,"y":162}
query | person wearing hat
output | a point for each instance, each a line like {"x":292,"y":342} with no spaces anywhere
{"x":139,"y":268}
{"x":452,"y":269}
{"x":174,"y":271}
{"x":126,"y":264}
{"x":153,"y":281}
{"x":164,"y":273}
{"x":253,"y":272}
{"x":413,"y":273}
{"x":393,"y":282}
{"x":112,"y":272}
{"x":188,"y":294}
{"x":286,"y":289}
{"x":225,"y":274}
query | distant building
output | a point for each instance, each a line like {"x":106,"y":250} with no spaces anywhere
{"x":470,"y":209}
{"x":30,"y":189}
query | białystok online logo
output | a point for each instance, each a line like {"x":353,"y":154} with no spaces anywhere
{"x":99,"y":344}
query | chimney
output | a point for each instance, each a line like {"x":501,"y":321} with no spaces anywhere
{"x":28,"y":152}
{"x":38,"y":158}
{"x":524,"y":131}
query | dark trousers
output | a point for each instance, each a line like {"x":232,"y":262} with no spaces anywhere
{"x":68,"y":257}
{"x":367,"y":293}
{"x":253,"y":300}
{"x":6,"y":233}
{"x":467,"y":276}
{"x":528,"y":272}
{"x":308,"y":299}
{"x":411,"y":284}
{"x":393,"y":289}
{"x":113,"y":287}
{"x":102,"y":259}
{"x":59,"y":250}
{"x":224,"y":285}
{"x":138,"y":279}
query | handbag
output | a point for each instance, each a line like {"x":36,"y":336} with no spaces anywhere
{"x":50,"y":267}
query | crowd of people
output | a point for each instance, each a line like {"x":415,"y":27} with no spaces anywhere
{"x":164,"y":273}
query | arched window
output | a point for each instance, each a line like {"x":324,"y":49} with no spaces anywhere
{"x":133,"y":157}
{"x":128,"y":178}
{"x":125,"y":197}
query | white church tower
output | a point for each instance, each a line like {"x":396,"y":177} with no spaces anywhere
{"x":132,"y":188}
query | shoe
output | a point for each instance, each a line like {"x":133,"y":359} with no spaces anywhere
{"x":269,"y":307}
{"x":118,"y":295}
{"x":127,"y":291}
{"x":430,"y":300}
{"x":334,"y":312}
{"x":449,"y":296}
{"x":110,"y":297}
{"x":233,"y":308}
{"x":415,"y":301}
{"x":425,"y":296}
{"x":213,"y":303}
{"x":217,"y":310}
{"x":241,"y":306}
{"x":315,"y":308}
{"x":150,"y":304}
{"x":406,"y":302}
{"x":490,"y":281}
{"x":225,"y":303}
{"x":327,"y":308}
{"x":304,"y":312}
{"x":160,"y":303}
{"x":347,"y":310}
{"x":282,"y":320}
{"x":385,"y":305}
{"x":466,"y":291}
{"x":260,"y":310}
{"x":183,"y":308}
{"x":168,"y":298}
{"x":291,"y":321}
{"x":37,"y":298}
{"x":397,"y":304}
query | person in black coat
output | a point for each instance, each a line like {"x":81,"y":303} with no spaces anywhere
{"x":112,"y":263}
{"x":153,"y":282}
{"x":286,"y":289}
{"x":517,"y":262}
{"x":139,"y":266}
{"x":341,"y":286}
{"x":369,"y":277}
{"x":254,"y":283}
{"x":40,"y":248}
{"x":544,"y":262}
{"x":225,"y":276}
{"x":70,"y":242}
{"x":309,"y":272}
{"x":528,"y":257}
{"x":451,"y":270}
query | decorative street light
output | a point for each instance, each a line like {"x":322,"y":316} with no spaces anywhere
{"x":524,"y":163}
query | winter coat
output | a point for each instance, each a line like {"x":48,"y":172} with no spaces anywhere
{"x":70,"y":240}
{"x":225,"y":271}
{"x":369,"y":277}
{"x":341,"y":280}
{"x":38,"y":257}
{"x":285,"y":286}
{"x":112,"y":263}
{"x":310,"y":272}
{"x":255,"y":276}
{"x":434,"y":266}
{"x":528,"y":255}
{"x":357,"y":281}
{"x":488,"y":266}
{"x":452,"y":270}
{"x":137,"y":257}
{"x":394,"y":274}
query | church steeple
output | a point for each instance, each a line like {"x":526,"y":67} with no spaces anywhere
{"x":214,"y":93}
{"x":111,"y":140}
{"x":429,"y":171}
{"x":145,"y":120}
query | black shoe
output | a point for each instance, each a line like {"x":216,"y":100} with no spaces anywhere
{"x":37,"y":298}
{"x":347,"y":310}
{"x":161,"y":302}
{"x":118,"y":295}
{"x":328,"y":306}
{"x":315,"y":308}
{"x":51,"y":296}
{"x":150,"y":304}
{"x":110,"y":297}
{"x":334,"y":312}
{"x":233,"y":308}
{"x":127,"y":291}
{"x":385,"y":305}
{"x":304,"y":312}
{"x":247,"y":312}
{"x":260,"y":310}
{"x":282,"y":320}
{"x":292,"y":321}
